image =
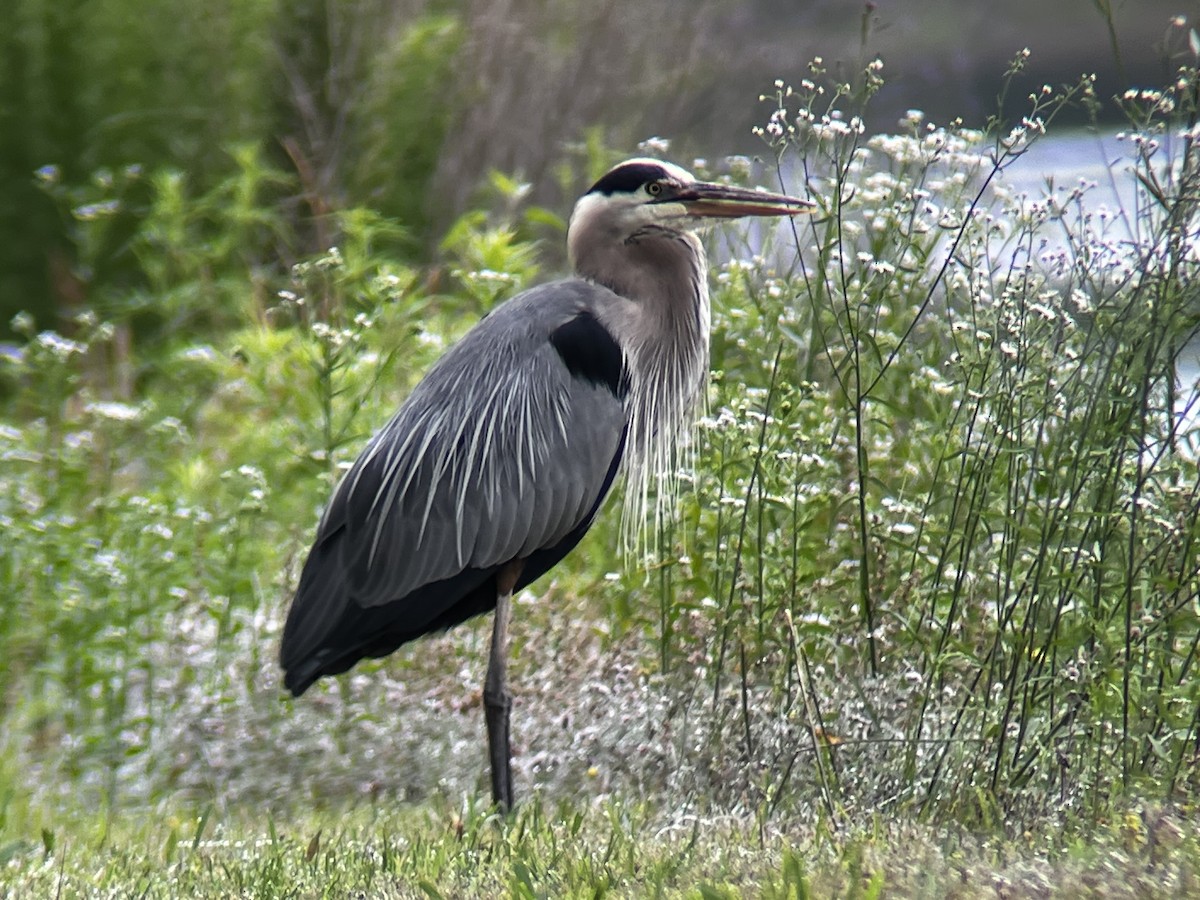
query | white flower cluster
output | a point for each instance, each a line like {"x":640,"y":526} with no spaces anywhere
{"x":60,"y":347}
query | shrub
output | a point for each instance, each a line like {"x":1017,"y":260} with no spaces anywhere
{"x":947,"y":498}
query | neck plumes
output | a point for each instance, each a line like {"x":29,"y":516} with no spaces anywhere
{"x":664,"y":332}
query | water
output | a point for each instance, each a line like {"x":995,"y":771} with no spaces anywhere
{"x":1059,"y":162}
{"x":1062,"y":160}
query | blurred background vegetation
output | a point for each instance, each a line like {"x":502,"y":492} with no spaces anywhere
{"x":313,"y":106}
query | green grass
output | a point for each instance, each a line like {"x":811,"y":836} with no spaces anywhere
{"x":612,"y":849}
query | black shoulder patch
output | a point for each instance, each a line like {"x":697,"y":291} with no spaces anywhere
{"x":590,"y":353}
{"x":625,"y":179}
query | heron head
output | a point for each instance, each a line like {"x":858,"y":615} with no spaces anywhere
{"x":645,"y":195}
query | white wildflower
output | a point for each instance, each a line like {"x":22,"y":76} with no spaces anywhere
{"x":110,"y":409}
{"x":60,"y":346}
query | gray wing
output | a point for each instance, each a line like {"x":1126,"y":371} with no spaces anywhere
{"x":504,"y":449}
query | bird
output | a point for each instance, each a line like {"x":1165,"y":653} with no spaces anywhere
{"x":499,"y":460}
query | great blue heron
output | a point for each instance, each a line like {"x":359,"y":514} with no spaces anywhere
{"x":498,"y":461}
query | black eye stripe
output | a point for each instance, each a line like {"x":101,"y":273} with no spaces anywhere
{"x":627,"y":179}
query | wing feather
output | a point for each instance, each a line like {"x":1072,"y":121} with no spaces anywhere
{"x":504,"y":450}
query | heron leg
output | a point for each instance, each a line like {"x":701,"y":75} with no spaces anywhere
{"x":497,"y":701}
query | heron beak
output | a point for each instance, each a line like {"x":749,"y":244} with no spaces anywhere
{"x":721,"y":201}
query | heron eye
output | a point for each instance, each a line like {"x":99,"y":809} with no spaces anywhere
{"x":654,"y":188}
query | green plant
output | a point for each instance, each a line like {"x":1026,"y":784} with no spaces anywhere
{"x":403,"y":119}
{"x":99,"y":87}
{"x":962,"y":472}
{"x":153,"y":255}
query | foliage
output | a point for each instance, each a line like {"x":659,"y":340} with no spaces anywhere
{"x":151,"y":252}
{"x":92,"y":86}
{"x":404,"y":120}
{"x":397,"y":107}
{"x":952,"y":464}
{"x":135,"y":528}
{"x":611,"y":849}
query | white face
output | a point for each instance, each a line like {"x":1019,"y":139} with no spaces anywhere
{"x":622,"y":213}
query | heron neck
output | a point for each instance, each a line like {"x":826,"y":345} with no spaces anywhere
{"x":664,"y":332}
{"x":664,"y":274}
{"x":670,"y":285}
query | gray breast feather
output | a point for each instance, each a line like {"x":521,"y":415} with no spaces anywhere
{"x":498,"y":452}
